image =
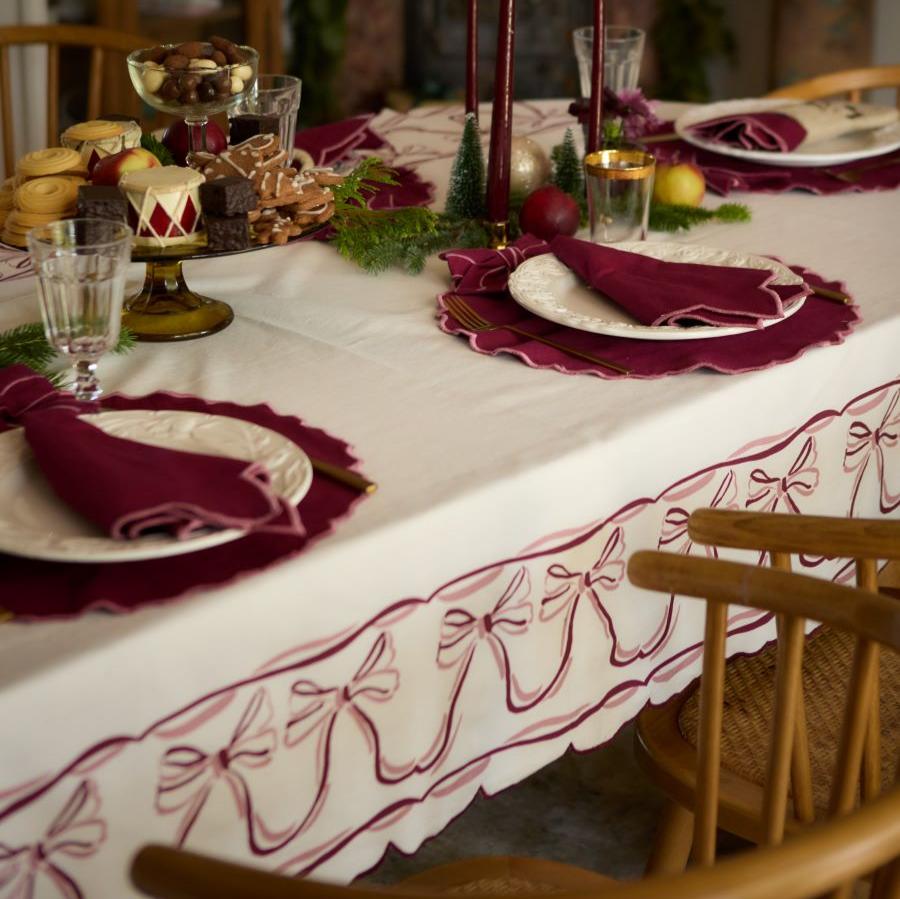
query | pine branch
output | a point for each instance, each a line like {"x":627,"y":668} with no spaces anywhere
{"x":674,"y":217}
{"x":362,"y":182}
{"x":158,"y":149}
{"x":377,"y":240}
{"x":27,"y":345}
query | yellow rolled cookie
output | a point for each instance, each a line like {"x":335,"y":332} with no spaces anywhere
{"x":13,"y":239}
{"x":96,"y":129}
{"x":3,"y":214}
{"x":6,"y":199}
{"x":51,"y":161}
{"x":19,"y":220}
{"x":53,"y":194}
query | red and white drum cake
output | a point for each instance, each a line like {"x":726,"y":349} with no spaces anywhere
{"x":163,"y":204}
{"x":99,"y":138}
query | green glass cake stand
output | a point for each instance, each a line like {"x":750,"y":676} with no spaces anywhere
{"x":165,"y":308}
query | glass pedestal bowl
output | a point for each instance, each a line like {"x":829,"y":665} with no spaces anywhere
{"x":195,"y":88}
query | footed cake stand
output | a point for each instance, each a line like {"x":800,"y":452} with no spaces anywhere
{"x":165,"y":308}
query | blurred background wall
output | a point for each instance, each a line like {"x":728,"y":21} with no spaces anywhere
{"x":359,"y":55}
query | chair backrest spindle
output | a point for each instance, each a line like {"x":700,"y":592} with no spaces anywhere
{"x":709,"y":736}
{"x":52,"y":93}
{"x":95,"y":83}
{"x":6,"y":120}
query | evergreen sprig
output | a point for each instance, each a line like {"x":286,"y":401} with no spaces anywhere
{"x":157,"y":148}
{"x":27,"y":345}
{"x":378,"y":239}
{"x":359,"y":185}
{"x":674,"y":217}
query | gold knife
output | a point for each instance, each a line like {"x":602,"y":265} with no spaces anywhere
{"x":344,"y":476}
{"x":834,"y":295}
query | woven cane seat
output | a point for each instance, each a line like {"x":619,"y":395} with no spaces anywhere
{"x":749,"y":700}
{"x":504,"y":876}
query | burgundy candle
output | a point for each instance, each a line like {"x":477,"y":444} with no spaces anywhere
{"x":472,"y":59}
{"x":501,"y":117}
{"x":595,"y":117}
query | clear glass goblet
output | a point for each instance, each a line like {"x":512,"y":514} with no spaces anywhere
{"x":193,"y":94}
{"x":81,"y":266}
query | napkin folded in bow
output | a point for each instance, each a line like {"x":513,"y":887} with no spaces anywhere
{"x":674,"y":293}
{"x":128,"y":488}
{"x":794,"y":126}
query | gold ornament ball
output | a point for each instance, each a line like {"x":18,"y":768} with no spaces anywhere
{"x":529,"y":166}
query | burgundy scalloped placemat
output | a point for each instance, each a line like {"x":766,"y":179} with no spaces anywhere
{"x":819,"y":322}
{"x":35,"y":589}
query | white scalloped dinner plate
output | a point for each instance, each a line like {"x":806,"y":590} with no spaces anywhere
{"x":837,"y":150}
{"x":34,"y":522}
{"x":551,"y":290}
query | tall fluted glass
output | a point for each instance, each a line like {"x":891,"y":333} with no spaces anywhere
{"x":81,"y":266}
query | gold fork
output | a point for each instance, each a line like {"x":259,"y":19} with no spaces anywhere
{"x":472,"y":321}
{"x":854,"y":175}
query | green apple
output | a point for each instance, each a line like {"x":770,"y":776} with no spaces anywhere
{"x":682,"y":184}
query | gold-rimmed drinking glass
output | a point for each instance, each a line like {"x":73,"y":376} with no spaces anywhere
{"x":619,"y":187}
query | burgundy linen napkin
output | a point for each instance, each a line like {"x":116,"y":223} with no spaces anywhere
{"x":771,"y":131}
{"x":128,"y":488}
{"x":672,"y":293}
{"x":328,"y":144}
{"x":487,"y":271}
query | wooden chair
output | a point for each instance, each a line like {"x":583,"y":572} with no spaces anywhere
{"x":829,"y":856}
{"x":100,"y":41}
{"x":666,"y":741}
{"x":851,"y":82}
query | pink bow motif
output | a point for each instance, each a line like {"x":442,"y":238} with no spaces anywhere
{"x":674,"y":535}
{"x":802,"y":479}
{"x":564,"y":590}
{"x":315,"y":711}
{"x":462,"y":633}
{"x":189,"y":775}
{"x":76,"y":832}
{"x":863,"y":443}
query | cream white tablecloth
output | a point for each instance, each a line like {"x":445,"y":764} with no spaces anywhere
{"x":470,"y":621}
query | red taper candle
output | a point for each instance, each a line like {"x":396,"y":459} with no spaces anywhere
{"x":595,"y":117}
{"x":472,"y":59}
{"x":501,"y":117}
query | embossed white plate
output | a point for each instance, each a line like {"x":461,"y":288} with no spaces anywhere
{"x":34,"y":522}
{"x":546,"y":287}
{"x":837,"y":150}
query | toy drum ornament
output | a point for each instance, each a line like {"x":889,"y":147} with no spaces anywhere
{"x":163,"y":205}
{"x":99,"y":138}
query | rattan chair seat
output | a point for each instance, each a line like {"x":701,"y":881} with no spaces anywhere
{"x":504,"y":876}
{"x":747,"y":711}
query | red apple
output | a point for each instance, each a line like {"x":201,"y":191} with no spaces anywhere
{"x":109,"y":169}
{"x":682,"y":184}
{"x":175,"y":140}
{"x":549,"y":211}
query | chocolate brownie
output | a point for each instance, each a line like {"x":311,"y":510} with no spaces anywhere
{"x":227,"y":232}
{"x":231,"y":195}
{"x":101,"y":202}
